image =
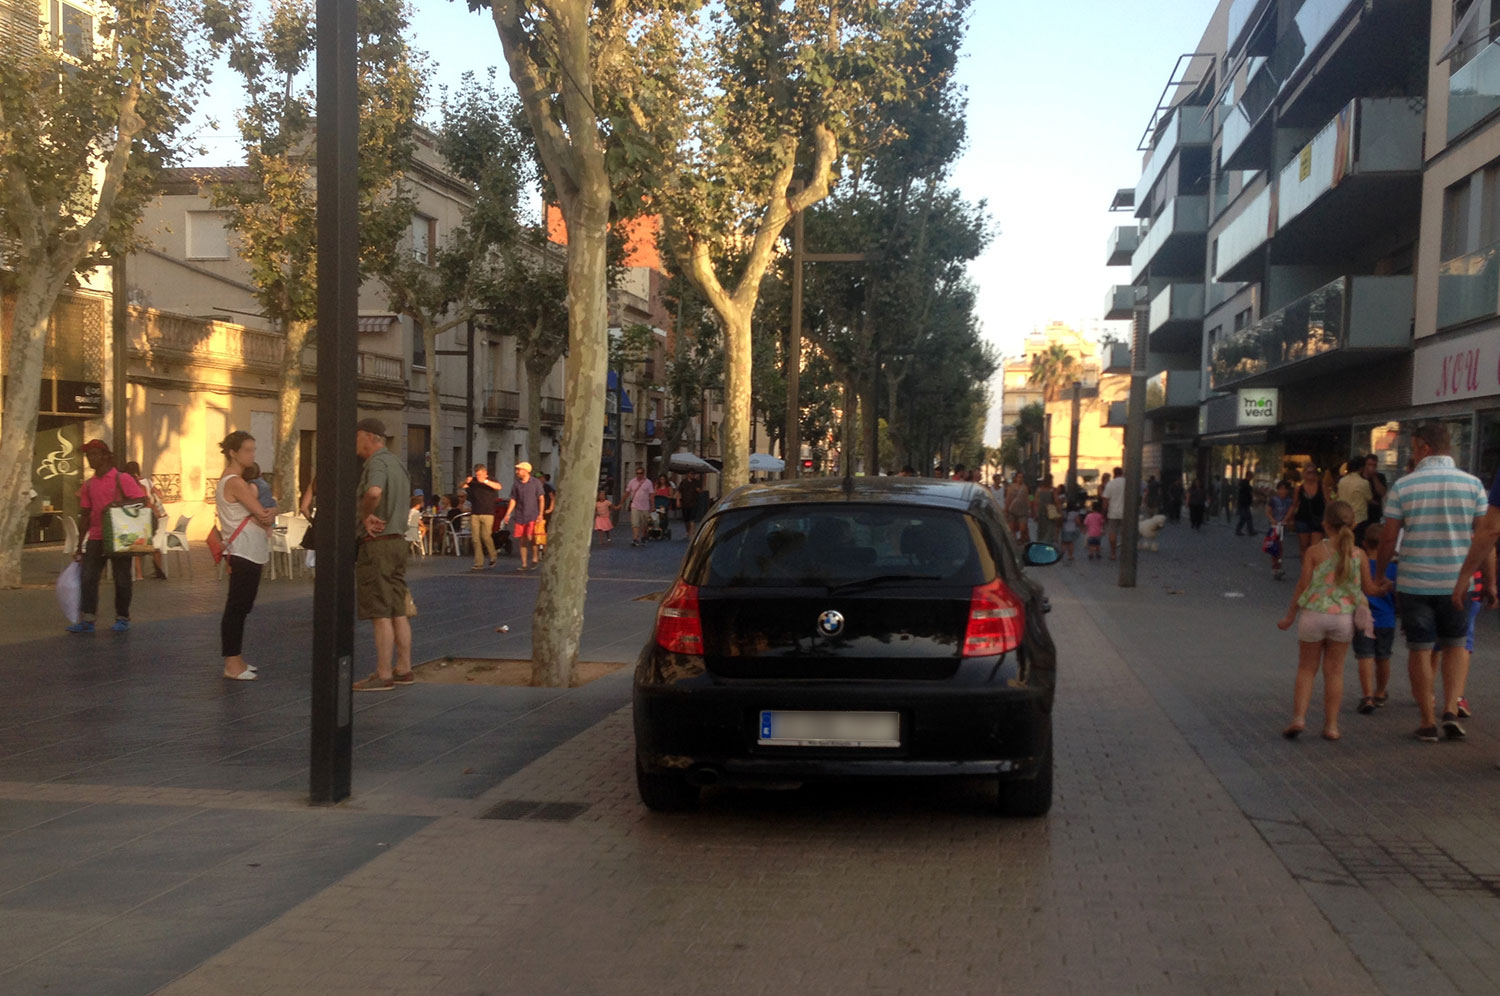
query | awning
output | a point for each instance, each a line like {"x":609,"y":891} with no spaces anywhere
{"x":377,"y":323}
{"x":614,"y":385}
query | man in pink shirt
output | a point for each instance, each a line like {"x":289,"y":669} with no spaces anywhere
{"x":639,"y":494}
{"x":107,"y":486}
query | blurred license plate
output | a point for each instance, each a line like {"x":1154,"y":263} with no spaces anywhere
{"x":781,"y":728}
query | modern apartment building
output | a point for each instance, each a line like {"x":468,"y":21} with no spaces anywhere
{"x":1276,"y":256}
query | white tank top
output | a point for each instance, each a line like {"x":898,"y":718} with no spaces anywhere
{"x":253,"y":543}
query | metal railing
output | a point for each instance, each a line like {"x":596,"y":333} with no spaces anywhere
{"x":501,"y":406}
{"x":552,"y":410}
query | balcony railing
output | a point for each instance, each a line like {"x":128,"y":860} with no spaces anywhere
{"x":1183,"y":216}
{"x":373,"y":369}
{"x":1116,"y":415}
{"x":1187,"y":127}
{"x":501,"y":406}
{"x":552,"y":410}
{"x":1173,"y":389}
{"x":1123,"y":242}
{"x":1261,"y":86}
{"x":1367,"y":137}
{"x":1250,"y":230}
{"x":1474,"y":91}
{"x":1176,"y":303}
{"x":1119,"y":303}
{"x":1469,"y":287}
{"x":1372,"y":314}
{"x":203,"y":342}
{"x":1243,"y":15}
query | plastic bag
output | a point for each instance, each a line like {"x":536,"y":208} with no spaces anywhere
{"x":69,"y":590}
{"x":1272,"y":545}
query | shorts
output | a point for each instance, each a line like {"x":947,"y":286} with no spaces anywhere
{"x":1069,"y":536}
{"x":1113,"y":528}
{"x":1431,"y":620}
{"x":639,"y":518}
{"x":523,"y":530}
{"x":1315,"y":627}
{"x":1377,"y":646}
{"x":1095,"y":540}
{"x":380,"y":580}
{"x":1306,"y":528}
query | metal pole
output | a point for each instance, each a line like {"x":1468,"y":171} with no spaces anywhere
{"x":1135,"y":441}
{"x":120,"y":334}
{"x":331,"y":768}
{"x":1072,"y":488}
{"x":469,"y":404}
{"x":793,"y":446}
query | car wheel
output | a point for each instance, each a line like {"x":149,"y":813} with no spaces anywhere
{"x":665,"y":792}
{"x":1029,"y":797}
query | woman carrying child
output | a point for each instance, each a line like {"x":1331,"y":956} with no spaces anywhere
{"x":1333,"y":587}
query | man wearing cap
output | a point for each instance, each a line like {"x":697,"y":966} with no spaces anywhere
{"x":380,"y":568}
{"x":525,"y":508}
{"x":98,"y":493}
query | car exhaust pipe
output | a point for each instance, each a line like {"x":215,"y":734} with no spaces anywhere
{"x":704,"y":777}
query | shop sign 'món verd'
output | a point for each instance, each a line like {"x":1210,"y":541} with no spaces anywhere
{"x":1258,"y":406}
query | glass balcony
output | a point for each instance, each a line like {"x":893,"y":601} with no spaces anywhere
{"x":1240,"y":239}
{"x":1469,"y":287}
{"x":1119,"y":303}
{"x":1243,"y":16}
{"x":1187,"y":127}
{"x":1117,"y":415}
{"x":1348,"y":321}
{"x":1310,"y":27}
{"x":1174,"y":241}
{"x":1114,"y":357}
{"x":1176,"y":319}
{"x":1474,"y":91}
{"x":1123,"y":242}
{"x":1368,"y":138}
{"x":1172,"y":391}
{"x":1247,"y":118}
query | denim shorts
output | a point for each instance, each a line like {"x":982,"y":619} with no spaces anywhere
{"x":1431,"y":620}
{"x":1377,"y":646}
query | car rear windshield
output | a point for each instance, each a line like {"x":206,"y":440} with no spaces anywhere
{"x":832,"y":545}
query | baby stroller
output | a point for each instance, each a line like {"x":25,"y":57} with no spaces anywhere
{"x":659,"y":527}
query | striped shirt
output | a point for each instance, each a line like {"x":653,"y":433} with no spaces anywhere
{"x":1436,"y":506}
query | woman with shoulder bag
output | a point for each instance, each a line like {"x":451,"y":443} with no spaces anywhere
{"x":98,"y":493}
{"x":246,"y":528}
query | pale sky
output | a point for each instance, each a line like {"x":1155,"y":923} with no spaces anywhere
{"x":1059,"y":94}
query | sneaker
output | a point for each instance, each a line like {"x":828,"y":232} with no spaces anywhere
{"x":121,"y":626}
{"x":1366,"y":706}
{"x":1452,"y":729}
{"x":374,"y":683}
{"x":409,"y":678}
{"x":81,"y":627}
{"x":1427,"y":734}
{"x":1463,"y":709}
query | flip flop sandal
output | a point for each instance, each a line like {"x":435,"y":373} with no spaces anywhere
{"x":1366,"y":706}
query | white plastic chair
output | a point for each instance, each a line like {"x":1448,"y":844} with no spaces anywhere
{"x":416,"y":538}
{"x":176,"y":541}
{"x":285,"y":543}
{"x":457,"y":535}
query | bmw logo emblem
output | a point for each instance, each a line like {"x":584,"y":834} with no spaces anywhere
{"x":831,"y":623}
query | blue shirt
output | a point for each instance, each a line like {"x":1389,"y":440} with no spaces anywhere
{"x":1436,"y":505}
{"x":263,"y":493}
{"x":1383,"y":607}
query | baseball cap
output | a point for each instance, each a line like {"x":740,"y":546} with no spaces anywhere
{"x":95,"y":444}
{"x":418,"y":493}
{"x":371,"y":425}
{"x":523,"y":465}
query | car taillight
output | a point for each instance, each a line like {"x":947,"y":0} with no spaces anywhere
{"x":678,"y":626}
{"x":996,"y":621}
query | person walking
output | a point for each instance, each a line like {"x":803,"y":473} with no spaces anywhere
{"x":1197,"y":502}
{"x":1278,"y":512}
{"x":604,"y":523}
{"x":639,"y":494}
{"x":245,"y":524}
{"x":482,"y":493}
{"x":380,"y":588}
{"x":158,"y":516}
{"x":1333,"y":587}
{"x":1152,"y":496}
{"x":1048,"y":514}
{"x":1018,"y":508}
{"x":1112,"y":501}
{"x":107,"y":486}
{"x":1175,"y":495}
{"x":1373,"y":653}
{"x":527,"y":498}
{"x":1355,"y":488}
{"x":1439,"y":508}
{"x":688,"y":490}
{"x":1308,"y":505}
{"x":1244,"y":524}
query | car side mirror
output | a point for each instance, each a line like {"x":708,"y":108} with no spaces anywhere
{"x":1040,"y":555}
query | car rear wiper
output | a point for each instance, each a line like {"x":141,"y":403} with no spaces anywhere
{"x":879,"y":579}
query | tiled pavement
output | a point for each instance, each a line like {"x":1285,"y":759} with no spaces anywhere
{"x":1191,"y":849}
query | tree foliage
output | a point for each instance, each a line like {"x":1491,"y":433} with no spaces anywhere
{"x":1053,"y":369}
{"x":83,"y":134}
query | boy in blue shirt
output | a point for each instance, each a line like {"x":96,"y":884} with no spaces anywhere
{"x":262,"y":486}
{"x":1374,"y":653}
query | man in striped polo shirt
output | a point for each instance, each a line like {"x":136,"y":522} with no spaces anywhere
{"x":1436,"y":508}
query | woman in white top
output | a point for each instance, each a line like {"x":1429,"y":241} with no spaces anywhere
{"x":246,"y":528}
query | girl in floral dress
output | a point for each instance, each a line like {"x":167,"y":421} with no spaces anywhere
{"x":1331,"y":591}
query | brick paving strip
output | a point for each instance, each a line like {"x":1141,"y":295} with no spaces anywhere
{"x":1146,"y":878}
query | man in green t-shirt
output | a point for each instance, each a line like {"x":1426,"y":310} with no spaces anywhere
{"x":380,"y":569}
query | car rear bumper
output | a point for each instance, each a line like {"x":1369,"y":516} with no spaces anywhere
{"x":709,"y":730}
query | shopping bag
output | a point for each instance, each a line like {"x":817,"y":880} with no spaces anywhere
{"x":1272,"y":545}
{"x":127,"y":525}
{"x":69,"y":588}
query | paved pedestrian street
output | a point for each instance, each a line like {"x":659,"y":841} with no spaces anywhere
{"x":153,"y":835}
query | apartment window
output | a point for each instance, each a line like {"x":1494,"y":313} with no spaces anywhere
{"x":207,"y":235}
{"x":73,"y":30}
{"x":423,"y":237}
{"x":1471,"y":213}
{"x":1474,"y":27}
{"x":418,"y":346}
{"x":1242,"y":319}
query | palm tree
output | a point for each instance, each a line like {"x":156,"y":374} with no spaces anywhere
{"x":1053,"y":369}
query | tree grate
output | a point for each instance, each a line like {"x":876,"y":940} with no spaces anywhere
{"x":527,"y":809}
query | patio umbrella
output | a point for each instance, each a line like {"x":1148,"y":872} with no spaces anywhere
{"x":765,"y":462}
{"x":685,"y":461}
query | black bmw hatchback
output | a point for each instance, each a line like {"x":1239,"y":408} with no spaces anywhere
{"x":840,"y":628}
